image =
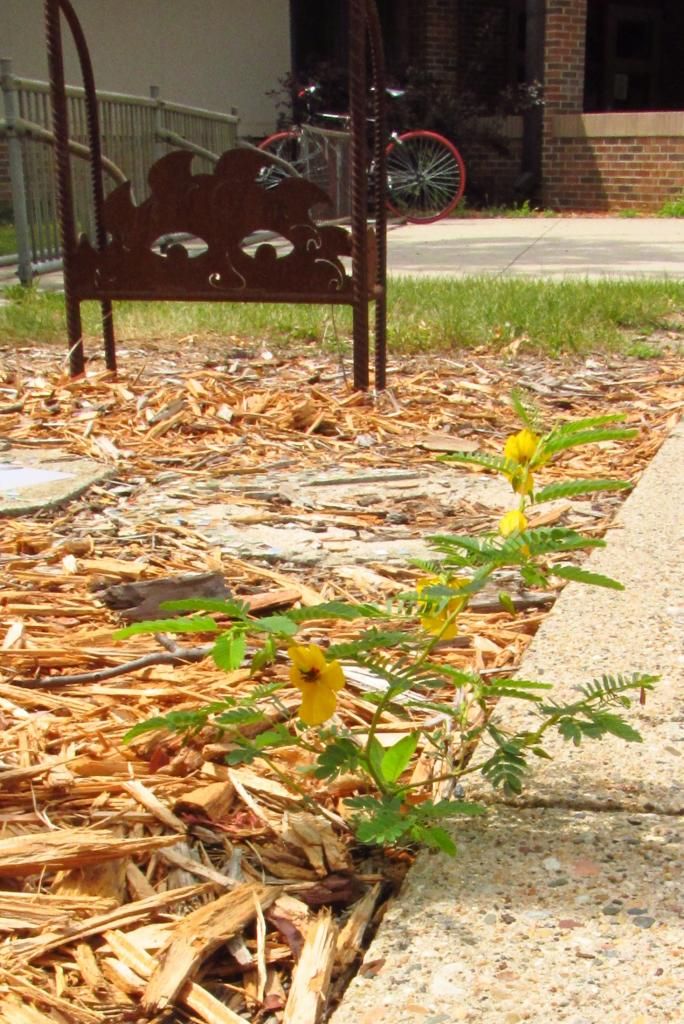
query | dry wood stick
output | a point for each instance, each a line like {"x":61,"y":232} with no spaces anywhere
{"x":350,"y":940}
{"x":32,"y":853}
{"x":25,"y":951}
{"x":179,"y":656}
{"x":173,"y":655}
{"x":197,"y":935}
{"x":192,"y":995}
{"x":311,"y":978}
{"x":72,"y":1012}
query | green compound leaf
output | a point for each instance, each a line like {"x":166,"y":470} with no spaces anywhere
{"x":505,"y":771}
{"x":395,"y":760}
{"x":434,"y":837}
{"x":402,"y":675}
{"x":280,"y":625}
{"x":342,"y":755}
{"x":558,"y":441}
{"x":493,"y":551}
{"x":587,"y":423}
{"x":228,"y":652}
{"x":449,"y":809}
{"x":150,"y":725}
{"x":382,"y":821}
{"x":574,"y":487}
{"x":571,"y":730}
{"x":199,"y":624}
{"x":572,"y":572}
{"x":250,"y":750}
{"x":532,"y":576}
{"x":526,"y":410}
{"x":595,"y":726}
{"x":175,"y":721}
{"x":370,"y":640}
{"x":337,"y":610}
{"x":519,"y":684}
{"x":507,"y":765}
{"x":233,"y":717}
{"x":616,"y":726}
{"x":235,"y":609}
{"x":609,"y":687}
{"x":512,"y":694}
{"x":497,"y":463}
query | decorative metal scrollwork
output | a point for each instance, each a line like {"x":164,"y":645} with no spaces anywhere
{"x":223,"y":209}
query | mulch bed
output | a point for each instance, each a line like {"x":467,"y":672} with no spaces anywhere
{"x":150,"y":880}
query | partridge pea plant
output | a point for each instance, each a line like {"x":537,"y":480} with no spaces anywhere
{"x":407,"y":787}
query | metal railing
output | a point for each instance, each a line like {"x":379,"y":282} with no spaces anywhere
{"x":135,"y":131}
{"x":331,"y":166}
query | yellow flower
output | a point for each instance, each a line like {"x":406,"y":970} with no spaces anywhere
{"x":318,"y":681}
{"x":521,"y":447}
{"x":513,"y":522}
{"x":522,"y":481}
{"x":435,"y":621}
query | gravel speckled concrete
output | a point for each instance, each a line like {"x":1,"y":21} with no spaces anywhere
{"x":592,"y":631}
{"x":571,"y":912}
{"x":545,"y":916}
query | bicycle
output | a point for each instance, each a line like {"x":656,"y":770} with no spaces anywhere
{"x":426,"y":175}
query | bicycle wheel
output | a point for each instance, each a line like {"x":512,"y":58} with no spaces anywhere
{"x":425,"y":176}
{"x":301,"y":150}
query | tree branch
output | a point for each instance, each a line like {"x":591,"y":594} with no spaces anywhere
{"x":174,"y":655}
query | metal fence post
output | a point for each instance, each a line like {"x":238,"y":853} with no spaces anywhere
{"x":16,"y":172}
{"x":159,"y":148}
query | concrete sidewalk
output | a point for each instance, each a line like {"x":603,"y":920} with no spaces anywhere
{"x":554,"y":247}
{"x":566,"y":908}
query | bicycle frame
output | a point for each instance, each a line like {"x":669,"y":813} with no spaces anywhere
{"x":425,"y":173}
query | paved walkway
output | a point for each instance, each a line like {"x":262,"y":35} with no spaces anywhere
{"x":566,"y":906}
{"x":554,"y":247}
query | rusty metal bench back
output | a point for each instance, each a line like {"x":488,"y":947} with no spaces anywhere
{"x":224,"y":210}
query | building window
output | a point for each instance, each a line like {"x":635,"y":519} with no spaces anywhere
{"x":634,"y":55}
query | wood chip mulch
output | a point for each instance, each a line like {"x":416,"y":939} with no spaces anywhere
{"x":151,"y":880}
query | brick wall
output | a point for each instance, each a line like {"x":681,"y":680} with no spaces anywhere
{"x":485,"y":60}
{"x":564,"y":62}
{"x":439,"y":38}
{"x":618,"y":161}
{"x":492,"y":156}
{"x":600,"y":162}
{"x":566,"y":28}
{"x":491,"y":174}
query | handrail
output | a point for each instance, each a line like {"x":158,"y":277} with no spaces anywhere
{"x":36,"y":131}
{"x":36,"y":85}
{"x":23,"y":125}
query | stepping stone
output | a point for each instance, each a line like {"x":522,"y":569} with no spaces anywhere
{"x":32,"y":479}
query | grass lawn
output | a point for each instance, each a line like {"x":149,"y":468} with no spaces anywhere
{"x":8,"y":241}
{"x":440,"y":315}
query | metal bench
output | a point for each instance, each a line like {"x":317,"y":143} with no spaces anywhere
{"x":322,"y":263}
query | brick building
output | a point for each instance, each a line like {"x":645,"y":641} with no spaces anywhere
{"x":610,"y":134}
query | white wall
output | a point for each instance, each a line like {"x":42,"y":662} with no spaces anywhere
{"x":215,"y":54}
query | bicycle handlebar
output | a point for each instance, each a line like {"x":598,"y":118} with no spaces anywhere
{"x":313,"y":87}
